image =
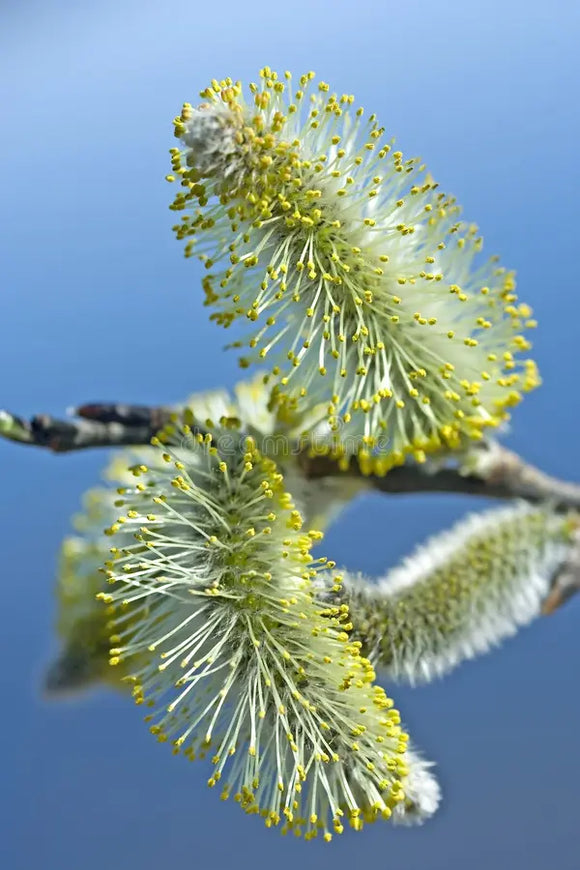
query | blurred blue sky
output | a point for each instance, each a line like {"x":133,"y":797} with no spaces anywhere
{"x":98,"y":303}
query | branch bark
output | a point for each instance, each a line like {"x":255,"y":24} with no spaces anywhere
{"x":494,"y":472}
{"x":488,"y":470}
{"x":99,"y":425}
{"x":566,"y":581}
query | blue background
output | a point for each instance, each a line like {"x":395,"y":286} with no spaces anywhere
{"x":97,"y":302}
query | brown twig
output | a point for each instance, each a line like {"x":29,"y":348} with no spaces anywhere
{"x":487,"y":470}
{"x":566,"y":581}
{"x":99,"y":425}
{"x":494,"y":472}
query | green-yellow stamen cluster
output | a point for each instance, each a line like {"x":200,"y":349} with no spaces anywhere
{"x":355,"y":269}
{"x":462,"y":592}
{"x":82,"y":621}
{"x":237,"y":656}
